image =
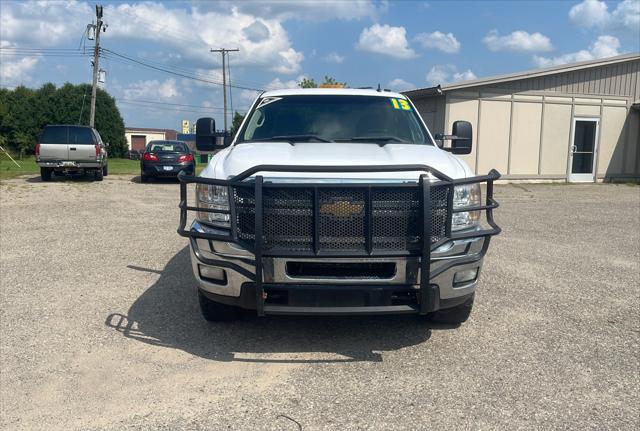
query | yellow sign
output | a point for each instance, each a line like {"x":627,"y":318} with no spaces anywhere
{"x":185,"y":126}
{"x":400,"y":104}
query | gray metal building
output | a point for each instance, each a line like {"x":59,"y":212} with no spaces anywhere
{"x":575,"y":122}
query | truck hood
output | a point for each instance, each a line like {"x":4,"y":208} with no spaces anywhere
{"x":239,"y":158}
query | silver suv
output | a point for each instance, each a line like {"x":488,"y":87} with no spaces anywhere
{"x":71,"y":149}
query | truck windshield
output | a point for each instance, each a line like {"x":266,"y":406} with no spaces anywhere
{"x":334,"y":118}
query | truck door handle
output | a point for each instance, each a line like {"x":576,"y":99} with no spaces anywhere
{"x":574,"y":149}
{"x":72,"y":149}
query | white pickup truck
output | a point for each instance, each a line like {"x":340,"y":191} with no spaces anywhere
{"x":337,"y":202}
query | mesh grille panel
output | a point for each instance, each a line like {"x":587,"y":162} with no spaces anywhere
{"x":342,"y":218}
{"x":288,"y":219}
{"x":396,"y":218}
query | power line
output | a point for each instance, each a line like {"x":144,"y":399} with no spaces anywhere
{"x":166,"y":70}
{"x":168,"y":108}
{"x":178,"y":69}
{"x":160,"y":102}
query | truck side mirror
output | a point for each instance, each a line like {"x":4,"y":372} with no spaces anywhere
{"x":462,"y":139}
{"x":207,"y":137}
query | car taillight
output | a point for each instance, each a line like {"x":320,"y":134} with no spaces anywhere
{"x":185,"y":158}
{"x":97,"y":150}
{"x":37,"y":149}
{"x":149,"y":157}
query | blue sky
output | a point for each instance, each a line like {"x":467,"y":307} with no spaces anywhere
{"x":400,"y":45}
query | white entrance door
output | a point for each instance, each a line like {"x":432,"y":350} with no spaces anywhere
{"x":584,"y":145}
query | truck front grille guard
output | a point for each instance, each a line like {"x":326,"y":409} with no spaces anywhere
{"x":249,"y":179}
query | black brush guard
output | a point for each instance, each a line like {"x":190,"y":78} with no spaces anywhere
{"x":248,"y":180}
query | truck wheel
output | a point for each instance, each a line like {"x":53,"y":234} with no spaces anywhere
{"x":455,"y":315}
{"x":214,"y":311}
{"x":45,"y":174}
{"x":105,"y":170}
{"x":97,"y":175}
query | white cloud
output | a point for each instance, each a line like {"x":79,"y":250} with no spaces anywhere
{"x":590,"y":13}
{"x":43,"y":24}
{"x":152,"y":89}
{"x":15,"y":72}
{"x":386,"y":40}
{"x":604,"y":46}
{"x":334,"y":57}
{"x":628,"y":14}
{"x":595,"y":13}
{"x":301,"y":10}
{"x":447,"y":73}
{"x":263,"y":42}
{"x":517,"y":41}
{"x":438,"y":40}
{"x":248,"y":96}
{"x":400,"y":84}
{"x":278,"y":84}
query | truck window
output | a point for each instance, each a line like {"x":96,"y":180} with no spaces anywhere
{"x":335,"y":118}
{"x":54,"y":135}
{"x":80,"y":136}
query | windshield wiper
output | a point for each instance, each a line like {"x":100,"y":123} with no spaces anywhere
{"x":381,"y":140}
{"x":293,"y":138}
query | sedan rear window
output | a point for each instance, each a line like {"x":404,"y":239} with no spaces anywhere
{"x":167,"y":147}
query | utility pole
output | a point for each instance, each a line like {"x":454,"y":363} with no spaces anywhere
{"x":224,"y":53}
{"x":96,"y":56}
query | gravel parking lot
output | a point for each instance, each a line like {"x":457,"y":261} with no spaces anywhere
{"x":101,"y":329}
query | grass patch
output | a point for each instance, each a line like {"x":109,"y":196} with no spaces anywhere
{"x":8,"y":169}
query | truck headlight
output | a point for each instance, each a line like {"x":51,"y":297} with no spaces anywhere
{"x":213,"y":197}
{"x":466,"y":195}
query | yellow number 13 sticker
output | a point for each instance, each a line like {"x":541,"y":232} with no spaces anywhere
{"x":400,"y":104}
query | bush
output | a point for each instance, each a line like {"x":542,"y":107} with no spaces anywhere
{"x":24,"y":112}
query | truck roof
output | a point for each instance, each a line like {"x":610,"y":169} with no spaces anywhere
{"x":331,"y":92}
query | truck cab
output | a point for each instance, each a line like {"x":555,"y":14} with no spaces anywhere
{"x":337,"y":202}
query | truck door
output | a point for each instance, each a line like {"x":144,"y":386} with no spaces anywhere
{"x":53,"y":144}
{"x":82,"y":144}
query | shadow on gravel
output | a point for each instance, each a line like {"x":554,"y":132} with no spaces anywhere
{"x":88,"y":178}
{"x":167,"y":315}
{"x":160,"y":180}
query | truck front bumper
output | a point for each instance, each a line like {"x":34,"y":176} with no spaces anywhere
{"x":260,"y":248}
{"x":384,"y":286}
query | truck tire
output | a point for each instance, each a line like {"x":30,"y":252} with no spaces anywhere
{"x":45,"y":174}
{"x":455,"y":315}
{"x":97,"y":175}
{"x":214,"y":311}
{"x":105,"y":170}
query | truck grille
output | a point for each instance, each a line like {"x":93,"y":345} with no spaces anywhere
{"x":343,"y":215}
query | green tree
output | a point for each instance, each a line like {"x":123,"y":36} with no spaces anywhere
{"x":27,"y":111}
{"x":328,"y":80}
{"x":308,"y":83}
{"x":24,"y":142}
{"x":236,"y":122}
